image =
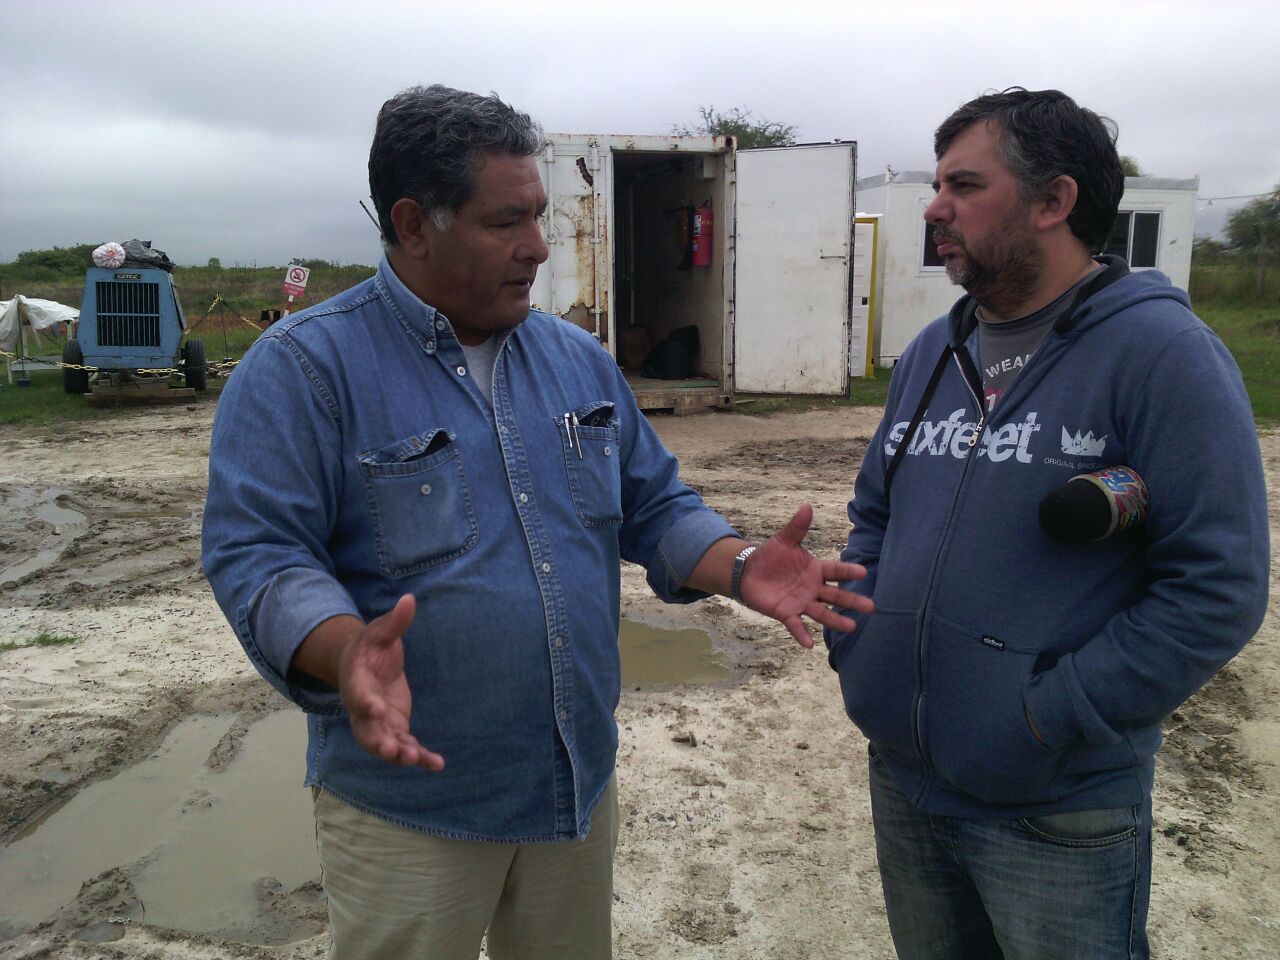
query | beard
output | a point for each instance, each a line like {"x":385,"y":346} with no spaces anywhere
{"x":1000,"y":271}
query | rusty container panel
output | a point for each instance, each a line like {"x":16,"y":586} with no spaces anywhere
{"x":571,"y":283}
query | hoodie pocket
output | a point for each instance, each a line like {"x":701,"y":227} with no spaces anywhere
{"x":418,"y":499}
{"x":975,"y":718}
{"x":876,"y":664}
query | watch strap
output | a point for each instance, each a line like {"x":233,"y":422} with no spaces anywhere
{"x":739,"y":565}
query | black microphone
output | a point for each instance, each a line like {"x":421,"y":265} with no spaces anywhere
{"x":1094,"y":506}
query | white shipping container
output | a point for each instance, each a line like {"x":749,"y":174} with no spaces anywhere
{"x":771,"y":307}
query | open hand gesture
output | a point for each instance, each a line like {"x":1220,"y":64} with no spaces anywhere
{"x":375,"y":691}
{"x":785,"y":581}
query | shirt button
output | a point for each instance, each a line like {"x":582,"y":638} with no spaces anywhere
{"x":425,"y":489}
{"x":524,"y":498}
{"x":546,"y":568}
{"x":502,"y":428}
{"x":563,"y":716}
{"x":607,"y":451}
{"x":559,"y":643}
{"x":462,"y":371}
{"x":431,"y":348}
{"x":439,"y":324}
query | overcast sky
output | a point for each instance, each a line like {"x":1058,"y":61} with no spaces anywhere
{"x":241,"y":130}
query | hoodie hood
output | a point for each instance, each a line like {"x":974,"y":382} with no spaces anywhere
{"x":1113,"y":289}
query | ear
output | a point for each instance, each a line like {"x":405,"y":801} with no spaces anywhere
{"x":412,"y":225}
{"x":1057,"y":202}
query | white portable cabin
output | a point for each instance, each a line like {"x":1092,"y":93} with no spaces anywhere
{"x":772,"y":306}
{"x":1153,"y":229}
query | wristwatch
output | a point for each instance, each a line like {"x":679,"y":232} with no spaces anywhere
{"x":739,"y":564}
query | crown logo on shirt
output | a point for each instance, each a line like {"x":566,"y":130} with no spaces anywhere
{"x":1086,"y":446}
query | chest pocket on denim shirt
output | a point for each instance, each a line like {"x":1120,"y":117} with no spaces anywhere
{"x":591,"y":460}
{"x":422,"y":512}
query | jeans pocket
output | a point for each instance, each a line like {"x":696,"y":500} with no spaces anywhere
{"x":419,"y":503}
{"x":590,"y":441}
{"x":975,"y":717}
{"x":1085,"y":828}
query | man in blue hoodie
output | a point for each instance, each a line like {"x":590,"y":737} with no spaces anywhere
{"x":1011,"y":685}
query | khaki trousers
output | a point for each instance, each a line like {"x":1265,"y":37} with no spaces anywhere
{"x":400,"y":894}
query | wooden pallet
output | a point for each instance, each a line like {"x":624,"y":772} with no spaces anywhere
{"x":678,"y":396}
{"x":137,"y":394}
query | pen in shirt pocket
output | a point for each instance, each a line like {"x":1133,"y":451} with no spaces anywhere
{"x":567,"y":435}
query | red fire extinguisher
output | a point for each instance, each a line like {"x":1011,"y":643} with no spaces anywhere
{"x":703,"y":222}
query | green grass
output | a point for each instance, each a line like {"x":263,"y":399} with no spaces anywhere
{"x":225,"y":335}
{"x":227,"y":326}
{"x":246,"y":290}
{"x":41,"y":639}
{"x":1235,"y":283}
{"x":1224,"y":292}
{"x":1252,"y":334}
{"x":45,"y":403}
{"x":863,"y":392}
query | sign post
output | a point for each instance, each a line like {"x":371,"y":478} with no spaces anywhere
{"x":295,"y":283}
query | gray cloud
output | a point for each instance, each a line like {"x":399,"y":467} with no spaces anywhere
{"x":241,"y":130}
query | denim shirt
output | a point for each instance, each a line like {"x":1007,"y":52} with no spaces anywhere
{"x":355,"y":460}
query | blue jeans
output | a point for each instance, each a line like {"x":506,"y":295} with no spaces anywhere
{"x":1068,"y":886}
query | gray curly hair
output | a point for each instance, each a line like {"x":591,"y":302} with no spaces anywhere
{"x":426,"y":144}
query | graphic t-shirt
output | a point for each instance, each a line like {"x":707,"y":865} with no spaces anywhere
{"x":1005,"y":348}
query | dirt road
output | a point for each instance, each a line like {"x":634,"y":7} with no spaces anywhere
{"x":746,"y":822}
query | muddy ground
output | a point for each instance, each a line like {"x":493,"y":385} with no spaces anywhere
{"x":746,"y":821}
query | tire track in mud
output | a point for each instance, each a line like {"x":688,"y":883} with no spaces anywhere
{"x":135,"y":542}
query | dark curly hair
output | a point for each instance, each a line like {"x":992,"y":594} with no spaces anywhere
{"x":1043,"y":134}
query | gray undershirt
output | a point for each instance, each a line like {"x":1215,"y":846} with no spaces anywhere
{"x":1005,"y":348}
{"x":480,"y":361}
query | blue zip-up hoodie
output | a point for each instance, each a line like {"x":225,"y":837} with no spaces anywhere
{"x":982,"y":619}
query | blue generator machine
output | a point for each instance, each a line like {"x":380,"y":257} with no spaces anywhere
{"x":131,"y":324}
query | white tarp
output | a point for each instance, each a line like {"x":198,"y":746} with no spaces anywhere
{"x":39,"y":315}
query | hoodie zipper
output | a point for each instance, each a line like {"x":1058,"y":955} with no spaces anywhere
{"x":968,"y":375}
{"x":1115,"y":270}
{"x":974,"y":389}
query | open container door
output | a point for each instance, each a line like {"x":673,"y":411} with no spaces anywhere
{"x":617,"y":223}
{"x":794,"y":244}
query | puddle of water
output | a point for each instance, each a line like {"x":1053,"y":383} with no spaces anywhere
{"x":654,"y":655}
{"x":207,"y":835}
{"x":42,"y":504}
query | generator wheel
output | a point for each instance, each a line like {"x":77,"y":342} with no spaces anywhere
{"x":194,"y":370}
{"x":74,"y":381}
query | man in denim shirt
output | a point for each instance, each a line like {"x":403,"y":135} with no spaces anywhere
{"x":419,"y":493}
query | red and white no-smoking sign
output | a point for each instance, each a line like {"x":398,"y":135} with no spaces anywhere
{"x":295,"y":280}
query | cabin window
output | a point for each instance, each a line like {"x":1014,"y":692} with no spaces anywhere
{"x":930,"y":257}
{"x":1136,"y":237}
